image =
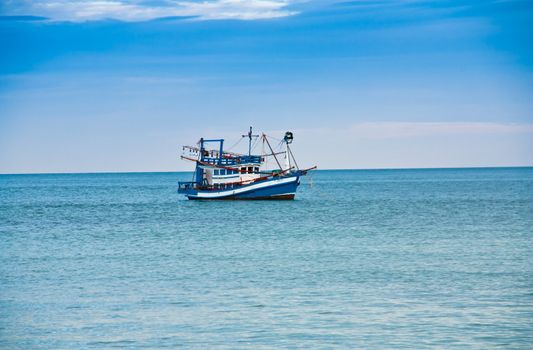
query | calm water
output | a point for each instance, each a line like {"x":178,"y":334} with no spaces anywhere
{"x":362,"y":259}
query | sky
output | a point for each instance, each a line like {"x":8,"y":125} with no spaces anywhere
{"x":120,"y":85}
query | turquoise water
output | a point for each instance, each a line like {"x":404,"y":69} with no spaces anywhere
{"x":362,"y":259}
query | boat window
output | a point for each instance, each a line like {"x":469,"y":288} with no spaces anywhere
{"x":216,"y":171}
{"x":243,"y":169}
{"x":222,"y":171}
{"x":250,"y":169}
{"x":256,"y":169}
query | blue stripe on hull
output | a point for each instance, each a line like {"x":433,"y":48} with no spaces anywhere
{"x":281,"y":191}
{"x":271,"y":191}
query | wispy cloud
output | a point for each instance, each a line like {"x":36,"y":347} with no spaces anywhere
{"x":386,"y":130}
{"x":238,"y":9}
{"x":136,"y":10}
{"x":416,"y":145}
{"x":392,"y":130}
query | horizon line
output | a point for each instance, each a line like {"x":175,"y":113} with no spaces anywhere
{"x":331,"y":169}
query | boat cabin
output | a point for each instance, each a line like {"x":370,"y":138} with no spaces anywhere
{"x":232,"y":170}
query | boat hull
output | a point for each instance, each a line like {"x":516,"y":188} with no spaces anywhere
{"x":235,"y":198}
{"x":283,"y":188}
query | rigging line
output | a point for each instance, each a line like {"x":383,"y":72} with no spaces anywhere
{"x":275,"y":138}
{"x":271,"y":154}
{"x":292,"y":155}
{"x":235,"y":144}
{"x":255,"y":143}
{"x":280,"y":144}
{"x":317,"y":189}
{"x":272,"y":151}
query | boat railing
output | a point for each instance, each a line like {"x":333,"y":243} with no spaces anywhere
{"x":186,"y":185}
{"x":233,"y":160}
{"x":191,"y":185}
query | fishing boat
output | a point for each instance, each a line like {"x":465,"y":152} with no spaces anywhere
{"x":221,"y":174}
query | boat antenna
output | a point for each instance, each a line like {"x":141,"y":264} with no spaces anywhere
{"x":249,"y":136}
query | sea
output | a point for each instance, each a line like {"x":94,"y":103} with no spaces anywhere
{"x":361,"y":259}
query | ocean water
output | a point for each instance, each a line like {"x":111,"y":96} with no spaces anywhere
{"x":382,"y":259}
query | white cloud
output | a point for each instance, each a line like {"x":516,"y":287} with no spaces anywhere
{"x":238,"y":9}
{"x":131,"y":10}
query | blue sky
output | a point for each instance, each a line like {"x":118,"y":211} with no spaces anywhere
{"x":120,"y":85}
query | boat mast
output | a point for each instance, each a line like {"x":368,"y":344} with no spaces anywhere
{"x":288,"y":139}
{"x":287,"y":155}
{"x":199,"y":171}
{"x":249,"y":135}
